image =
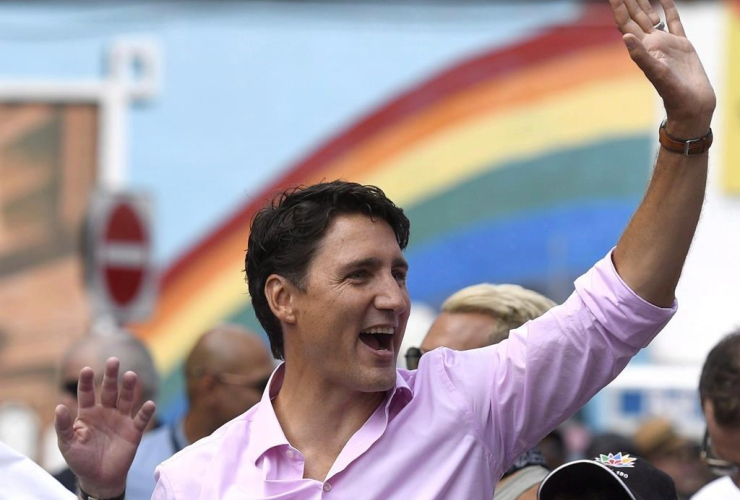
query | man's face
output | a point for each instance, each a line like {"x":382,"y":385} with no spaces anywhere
{"x":459,"y":331}
{"x":241,"y":388}
{"x":350,"y":320}
{"x":724,"y":442}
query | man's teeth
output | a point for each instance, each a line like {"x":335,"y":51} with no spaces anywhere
{"x":384,"y":331}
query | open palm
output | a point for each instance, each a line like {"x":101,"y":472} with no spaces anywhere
{"x":99,"y":446}
{"x":667,"y":58}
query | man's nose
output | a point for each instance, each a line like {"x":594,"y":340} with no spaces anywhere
{"x":392,"y":296}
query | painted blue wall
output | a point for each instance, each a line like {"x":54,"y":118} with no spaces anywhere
{"x":249,"y":88}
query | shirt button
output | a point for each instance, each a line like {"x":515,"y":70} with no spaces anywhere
{"x":327,"y":487}
{"x":289,"y":453}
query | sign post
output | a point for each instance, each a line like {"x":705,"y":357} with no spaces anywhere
{"x":120,"y":273}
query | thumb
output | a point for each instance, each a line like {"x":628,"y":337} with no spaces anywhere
{"x":638,"y":52}
{"x":63,"y":425}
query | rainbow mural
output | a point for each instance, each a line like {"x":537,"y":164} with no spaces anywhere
{"x":521,"y":164}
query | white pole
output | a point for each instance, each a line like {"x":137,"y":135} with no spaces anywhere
{"x":133,"y":74}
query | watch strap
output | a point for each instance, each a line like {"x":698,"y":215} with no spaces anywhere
{"x":86,"y":496}
{"x":687,"y":147}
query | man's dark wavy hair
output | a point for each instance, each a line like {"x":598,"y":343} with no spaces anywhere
{"x":287,"y":232}
{"x":720,"y":380}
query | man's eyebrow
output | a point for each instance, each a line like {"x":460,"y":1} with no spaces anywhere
{"x":401,"y":262}
{"x":368,"y":262}
{"x":374,"y":262}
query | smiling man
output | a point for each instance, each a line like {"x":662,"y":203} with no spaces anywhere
{"x":719,"y":392}
{"x":327,"y":277}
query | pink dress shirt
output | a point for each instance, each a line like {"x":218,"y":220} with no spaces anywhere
{"x":447,"y":430}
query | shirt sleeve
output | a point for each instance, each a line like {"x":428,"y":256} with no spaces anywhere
{"x":517,"y":391}
{"x":22,"y":478}
{"x":163,"y":489}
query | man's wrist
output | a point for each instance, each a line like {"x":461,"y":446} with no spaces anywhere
{"x":688,"y":127}
{"x":689,"y":147}
{"x":91,"y":493}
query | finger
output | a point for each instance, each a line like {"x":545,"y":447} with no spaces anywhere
{"x":126,"y":396}
{"x":145,"y":414}
{"x":63,"y":424}
{"x":86,"y":388}
{"x":648,"y":9}
{"x":675,"y":26}
{"x":639,"y":16}
{"x":624,"y":21}
{"x":109,"y":392}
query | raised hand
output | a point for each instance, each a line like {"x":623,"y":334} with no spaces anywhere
{"x":670,"y":62}
{"x":652,"y":250}
{"x":100,"y":444}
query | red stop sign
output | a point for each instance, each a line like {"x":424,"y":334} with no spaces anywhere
{"x":124,"y":254}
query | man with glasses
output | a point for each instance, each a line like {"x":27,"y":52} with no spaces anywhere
{"x":93,"y":350}
{"x":226,"y":372}
{"x":719,"y":392}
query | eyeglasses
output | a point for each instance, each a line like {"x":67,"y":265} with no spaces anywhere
{"x":413,"y":356}
{"x":70,"y":387}
{"x":233,"y":379}
{"x":716,"y":465}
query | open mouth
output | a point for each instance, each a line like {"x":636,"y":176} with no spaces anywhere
{"x":378,"y":339}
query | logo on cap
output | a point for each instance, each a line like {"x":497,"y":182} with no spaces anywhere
{"x":616,"y":460}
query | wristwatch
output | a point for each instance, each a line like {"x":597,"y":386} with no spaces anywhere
{"x":687,"y":147}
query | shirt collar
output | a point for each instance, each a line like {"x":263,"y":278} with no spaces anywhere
{"x":265,"y":431}
{"x":402,"y":392}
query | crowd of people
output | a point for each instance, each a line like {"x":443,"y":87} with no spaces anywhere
{"x":500,"y":369}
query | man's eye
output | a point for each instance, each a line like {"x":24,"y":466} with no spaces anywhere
{"x":357,"y":275}
{"x":400,"y":276}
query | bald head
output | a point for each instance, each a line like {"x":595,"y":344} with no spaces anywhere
{"x":228,"y":348}
{"x":226,"y":372}
{"x":94,"y":349}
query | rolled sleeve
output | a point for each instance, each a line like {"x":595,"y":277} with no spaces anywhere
{"x":618,"y":308}
{"x":519,"y":390}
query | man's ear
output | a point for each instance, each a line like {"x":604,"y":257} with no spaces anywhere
{"x":280,"y":294}
{"x":206,"y":385}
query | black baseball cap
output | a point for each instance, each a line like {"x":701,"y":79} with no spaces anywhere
{"x":627,"y":477}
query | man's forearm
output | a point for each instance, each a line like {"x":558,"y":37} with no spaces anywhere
{"x":650,"y":254}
